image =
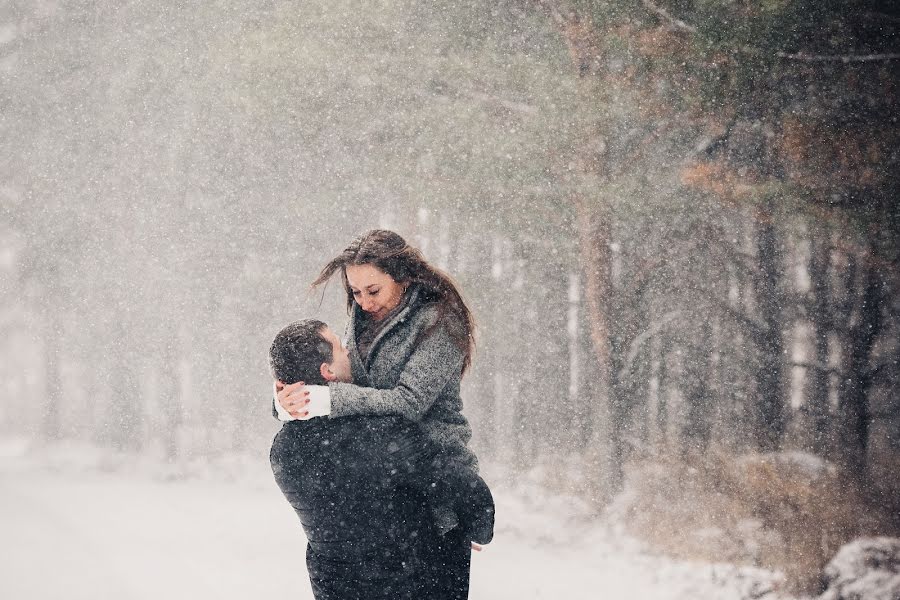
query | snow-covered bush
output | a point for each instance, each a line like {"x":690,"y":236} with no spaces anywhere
{"x":788,"y":511}
{"x":865,"y":569}
{"x":690,"y":512}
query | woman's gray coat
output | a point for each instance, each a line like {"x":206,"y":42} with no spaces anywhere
{"x":411,"y":374}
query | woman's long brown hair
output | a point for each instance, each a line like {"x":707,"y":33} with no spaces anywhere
{"x":390,"y":253}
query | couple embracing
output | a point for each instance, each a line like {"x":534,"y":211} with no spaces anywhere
{"x":373,"y":455}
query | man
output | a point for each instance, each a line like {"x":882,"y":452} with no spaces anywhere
{"x":366,"y":487}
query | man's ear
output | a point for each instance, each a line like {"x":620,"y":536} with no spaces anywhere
{"x":326,"y":373}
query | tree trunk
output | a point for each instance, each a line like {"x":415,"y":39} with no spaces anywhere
{"x":661,"y":349}
{"x":628,"y":361}
{"x":594,"y":232}
{"x":594,"y":223}
{"x":695,"y":434}
{"x":126,"y":402}
{"x":817,"y":404}
{"x":639,"y":396}
{"x":856,"y":384}
{"x":577,"y":403}
{"x":771,"y":411}
{"x":51,"y":423}
{"x":524,"y":410}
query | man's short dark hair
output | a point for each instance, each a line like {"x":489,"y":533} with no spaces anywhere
{"x":298,"y":351}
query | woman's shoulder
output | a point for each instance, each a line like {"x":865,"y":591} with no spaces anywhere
{"x":426,"y":308}
{"x":431,"y":317}
{"x":425,"y":311}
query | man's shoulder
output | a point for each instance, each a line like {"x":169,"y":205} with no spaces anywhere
{"x":349,"y":444}
{"x":295,"y":435}
{"x":375,"y":428}
{"x":352,"y":427}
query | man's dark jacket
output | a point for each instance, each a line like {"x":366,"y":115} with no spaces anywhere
{"x":364,"y":489}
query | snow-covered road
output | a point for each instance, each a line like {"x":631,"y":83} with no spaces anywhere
{"x":99,"y":536}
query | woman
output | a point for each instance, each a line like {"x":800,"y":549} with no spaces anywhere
{"x":410,"y":340}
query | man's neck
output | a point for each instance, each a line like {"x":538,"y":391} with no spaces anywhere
{"x":316,"y":379}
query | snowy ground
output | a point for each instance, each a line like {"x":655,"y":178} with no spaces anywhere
{"x":85,"y":534}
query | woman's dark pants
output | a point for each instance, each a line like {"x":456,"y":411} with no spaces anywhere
{"x":449,"y":563}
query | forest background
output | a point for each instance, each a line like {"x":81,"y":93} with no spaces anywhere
{"x":676,"y":223}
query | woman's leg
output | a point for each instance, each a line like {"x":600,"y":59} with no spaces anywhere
{"x":450,"y":562}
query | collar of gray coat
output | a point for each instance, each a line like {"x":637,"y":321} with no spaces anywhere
{"x":414,"y":292}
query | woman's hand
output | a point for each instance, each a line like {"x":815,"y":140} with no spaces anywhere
{"x":477,"y":547}
{"x":293,"y":398}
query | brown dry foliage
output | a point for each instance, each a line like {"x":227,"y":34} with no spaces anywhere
{"x":717,"y":178}
{"x":821,"y":155}
{"x":754,"y":509}
{"x":660,"y":42}
{"x":583,"y":42}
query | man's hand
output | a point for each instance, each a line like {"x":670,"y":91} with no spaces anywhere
{"x":477,"y":547}
{"x":293,"y":398}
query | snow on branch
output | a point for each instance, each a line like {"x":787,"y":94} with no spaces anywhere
{"x":754,"y":329}
{"x":678,"y":23}
{"x":639,"y":340}
{"x":846,"y":58}
{"x":801,"y":56}
{"x":872,"y":375}
{"x":817,"y":367}
{"x":560,"y":19}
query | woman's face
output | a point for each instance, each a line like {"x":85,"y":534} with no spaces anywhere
{"x":375,"y":291}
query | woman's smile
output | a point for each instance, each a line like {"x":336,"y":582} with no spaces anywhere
{"x":375,"y":291}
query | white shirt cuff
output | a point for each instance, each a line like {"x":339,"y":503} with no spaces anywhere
{"x":319,"y":403}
